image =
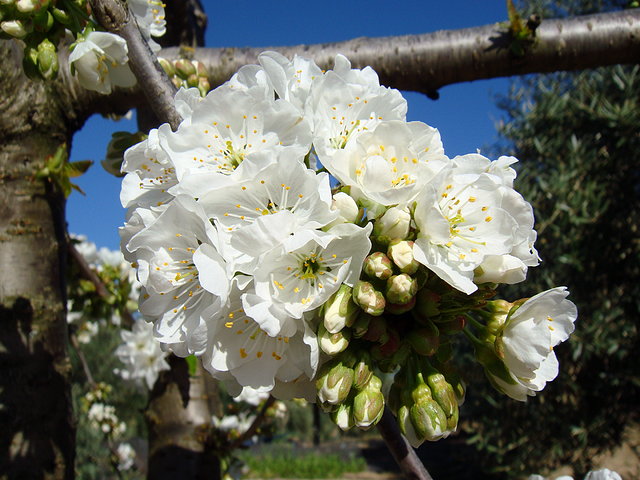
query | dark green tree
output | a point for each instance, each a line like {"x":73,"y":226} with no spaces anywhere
{"x":577,"y":138}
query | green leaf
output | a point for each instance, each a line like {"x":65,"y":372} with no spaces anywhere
{"x":192,"y":362}
{"x":75,"y":169}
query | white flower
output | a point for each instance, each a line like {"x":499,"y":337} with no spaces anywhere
{"x":460,"y":223}
{"x":603,"y":474}
{"x":126,"y":456}
{"x":309,"y":267}
{"x":394,"y":223}
{"x":292,"y":80}
{"x":346,"y":102}
{"x":182,"y":273}
{"x":238,"y":346}
{"x":141,"y":354}
{"x":229,"y":131}
{"x":251,"y":396}
{"x":150,"y":174}
{"x":526,"y":341}
{"x":100,"y":62}
{"x":150,"y":17}
{"x":390,"y":164}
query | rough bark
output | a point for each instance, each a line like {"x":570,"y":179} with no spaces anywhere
{"x":179,"y":420}
{"x":38,"y":435}
{"x":424,"y":63}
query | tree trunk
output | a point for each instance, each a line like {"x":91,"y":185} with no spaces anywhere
{"x":38,"y":436}
{"x":179,"y":421}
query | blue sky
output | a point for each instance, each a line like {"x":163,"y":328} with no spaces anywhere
{"x":465,"y":114}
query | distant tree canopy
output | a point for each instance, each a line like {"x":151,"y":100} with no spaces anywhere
{"x":576,"y":136}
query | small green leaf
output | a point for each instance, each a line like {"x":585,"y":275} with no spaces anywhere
{"x":192,"y":362}
{"x":75,"y":169}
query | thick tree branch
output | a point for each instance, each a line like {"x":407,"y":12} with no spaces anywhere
{"x":157,"y":87}
{"x":427,"y":62}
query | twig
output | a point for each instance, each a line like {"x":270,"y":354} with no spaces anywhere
{"x":152,"y":79}
{"x":253,"y":428}
{"x":402,"y":451}
{"x":83,"y":361}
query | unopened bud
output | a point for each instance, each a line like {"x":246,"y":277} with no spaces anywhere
{"x":340,"y":311}
{"x":377,"y":265}
{"x":452,"y":325}
{"x":203,"y":86}
{"x":167,"y":66}
{"x":396,"y":309}
{"x":60,"y":15}
{"x":368,"y":406}
{"x":361,"y":325}
{"x":394,"y":223}
{"x":443,"y":393}
{"x":428,"y":303}
{"x":401,"y":289}
{"x":193,"y":80}
{"x":425,"y":341}
{"x":499,"y":311}
{"x":334,"y":385}
{"x":343,"y":416}
{"x":368,"y":298}
{"x":27,"y":6}
{"x":362,"y":374}
{"x":184,"y":68}
{"x":401,"y":252}
{"x":15,"y":28}
{"x":348,"y":211}
{"x":332,"y":343}
{"x":376,"y":330}
{"x":47,"y":59}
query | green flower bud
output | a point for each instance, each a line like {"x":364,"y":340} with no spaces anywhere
{"x":428,"y":303}
{"x":30,"y":62}
{"x":368,"y":406}
{"x":203,"y":86}
{"x":167,"y":66}
{"x":425,"y":341}
{"x":376,"y":330}
{"x":368,"y":298}
{"x":339,"y":310}
{"x":361,"y":325}
{"x":394,"y":223}
{"x":401,"y":252}
{"x":193,"y":81}
{"x":428,"y":420}
{"x":362,"y":373}
{"x":334,"y":385}
{"x":332,"y":343}
{"x":184,"y":68}
{"x":60,"y":15}
{"x":47,"y":59}
{"x":343,"y":417}
{"x":443,"y":393}
{"x":396,"y":309}
{"x":377,"y":265}
{"x":499,"y":311}
{"x":119,"y":142}
{"x":401,"y":289}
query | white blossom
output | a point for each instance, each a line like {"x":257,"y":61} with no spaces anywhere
{"x":99,"y":61}
{"x":528,"y":337}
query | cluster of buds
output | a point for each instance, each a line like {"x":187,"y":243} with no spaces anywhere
{"x":348,"y":389}
{"x":41,"y":24}
{"x":397,"y":314}
{"x":102,"y":416}
{"x":426,"y":403}
{"x":187,"y":73}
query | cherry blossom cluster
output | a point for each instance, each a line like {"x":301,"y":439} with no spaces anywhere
{"x":304,"y":239}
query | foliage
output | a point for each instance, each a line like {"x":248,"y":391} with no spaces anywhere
{"x":576,"y":136}
{"x":280,"y":461}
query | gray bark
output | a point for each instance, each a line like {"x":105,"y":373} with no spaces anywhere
{"x":37,"y":435}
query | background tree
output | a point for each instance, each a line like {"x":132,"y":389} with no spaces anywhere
{"x":576,"y":137}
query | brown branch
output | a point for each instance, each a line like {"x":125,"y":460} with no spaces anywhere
{"x":83,"y":360}
{"x":253,"y":428}
{"x":153,"y":80}
{"x":403,"y":453}
{"x":426,"y":62}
